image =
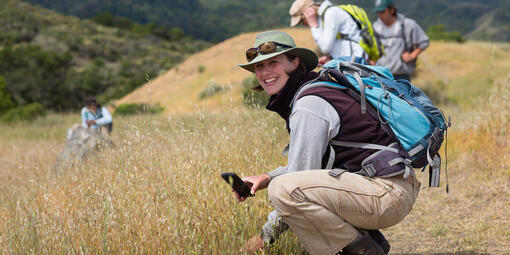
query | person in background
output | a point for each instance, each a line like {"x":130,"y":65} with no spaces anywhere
{"x":95,"y":116}
{"x":335,"y":32}
{"x":403,"y":39}
{"x":330,"y":211}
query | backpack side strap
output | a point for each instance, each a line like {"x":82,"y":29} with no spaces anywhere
{"x":371,"y":169}
{"x":369,"y":146}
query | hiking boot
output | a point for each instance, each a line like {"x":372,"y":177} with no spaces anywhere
{"x":363,"y":245}
{"x":380,"y":240}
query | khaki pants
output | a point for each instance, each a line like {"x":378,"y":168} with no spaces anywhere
{"x":323,"y":211}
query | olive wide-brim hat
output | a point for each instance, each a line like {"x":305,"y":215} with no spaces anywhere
{"x":308,"y":57}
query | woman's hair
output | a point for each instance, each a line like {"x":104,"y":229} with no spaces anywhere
{"x":300,"y":71}
{"x":301,"y":68}
{"x":89,"y":101}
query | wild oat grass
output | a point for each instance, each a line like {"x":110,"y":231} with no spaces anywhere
{"x":158,"y":190}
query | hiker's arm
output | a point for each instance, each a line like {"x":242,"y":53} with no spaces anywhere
{"x":411,"y":56}
{"x":419,"y":37}
{"x":326,"y":37}
{"x":420,"y":40}
{"x":84,"y":118}
{"x":313,"y":123}
{"x":107,"y":117}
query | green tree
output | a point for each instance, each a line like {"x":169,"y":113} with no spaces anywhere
{"x":34,"y":75}
{"x":5,"y":98}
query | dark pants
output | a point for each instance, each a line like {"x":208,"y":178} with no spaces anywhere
{"x":402,"y":77}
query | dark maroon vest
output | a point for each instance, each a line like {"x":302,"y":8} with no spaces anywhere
{"x":354,"y":127}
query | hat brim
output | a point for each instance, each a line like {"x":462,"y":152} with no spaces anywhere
{"x":308,"y":57}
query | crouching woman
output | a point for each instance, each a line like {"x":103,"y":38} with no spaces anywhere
{"x":330,"y":211}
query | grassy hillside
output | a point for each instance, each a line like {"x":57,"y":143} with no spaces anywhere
{"x":451,"y":73}
{"x":69,"y":59}
{"x":457,"y":74}
{"x":179,"y":89}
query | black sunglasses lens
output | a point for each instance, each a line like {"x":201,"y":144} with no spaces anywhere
{"x":251,"y":53}
{"x":268,"y":47}
{"x":265,"y":48}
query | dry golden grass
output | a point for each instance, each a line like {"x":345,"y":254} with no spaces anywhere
{"x":159,"y":191}
{"x":459,"y":73}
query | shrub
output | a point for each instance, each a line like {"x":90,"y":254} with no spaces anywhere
{"x":109,"y":20}
{"x":28,"y":112}
{"x":157,"y":108}
{"x":255,"y":99}
{"x":252,"y":98}
{"x":176,"y":33}
{"x":437,"y":32}
{"x":212,"y":89}
{"x":133,"y":108}
{"x":250,"y":82}
{"x":201,"y":68}
{"x":127,"y":109}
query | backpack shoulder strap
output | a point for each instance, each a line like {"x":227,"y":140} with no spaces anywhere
{"x":403,"y":30}
{"x":321,"y":15}
{"x":339,"y":34}
{"x":354,"y":11}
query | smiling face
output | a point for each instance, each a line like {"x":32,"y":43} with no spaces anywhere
{"x":273,"y":73}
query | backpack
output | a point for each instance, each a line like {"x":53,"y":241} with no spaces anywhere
{"x":370,"y":41}
{"x":404,"y":111}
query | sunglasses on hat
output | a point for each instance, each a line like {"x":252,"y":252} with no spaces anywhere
{"x":265,"y":48}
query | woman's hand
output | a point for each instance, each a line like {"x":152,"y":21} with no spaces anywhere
{"x":255,"y":183}
{"x":324,"y":59}
{"x":90,"y":122}
{"x":311,"y":16}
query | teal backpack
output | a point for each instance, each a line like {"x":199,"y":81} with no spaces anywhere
{"x":413,"y":120}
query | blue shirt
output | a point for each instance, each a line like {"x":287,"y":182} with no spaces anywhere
{"x":102,"y":117}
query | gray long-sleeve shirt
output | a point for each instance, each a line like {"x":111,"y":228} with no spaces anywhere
{"x":313,"y":123}
{"x":392,"y":38}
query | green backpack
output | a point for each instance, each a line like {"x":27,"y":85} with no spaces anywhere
{"x":369,"y":42}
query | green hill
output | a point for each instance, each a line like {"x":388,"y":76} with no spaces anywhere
{"x":220,"y":19}
{"x":58,"y":60}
